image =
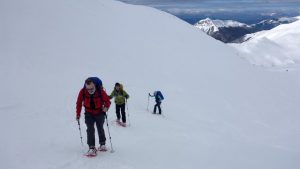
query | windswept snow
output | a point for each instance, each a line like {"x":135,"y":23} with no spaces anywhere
{"x":220,"y":112}
{"x":276,"y":47}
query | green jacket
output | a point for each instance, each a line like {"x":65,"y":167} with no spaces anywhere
{"x":119,"y":96}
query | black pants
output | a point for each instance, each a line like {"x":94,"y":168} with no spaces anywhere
{"x":157,"y":105}
{"x":121,"y":109}
{"x":90,"y":121}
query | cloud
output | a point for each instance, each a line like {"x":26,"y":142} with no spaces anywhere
{"x":271,"y":1}
{"x":178,"y":7}
{"x":205,"y":3}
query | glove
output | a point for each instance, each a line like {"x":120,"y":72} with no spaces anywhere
{"x":104,"y":109}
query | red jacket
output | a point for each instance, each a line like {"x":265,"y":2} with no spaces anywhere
{"x":85,"y":97}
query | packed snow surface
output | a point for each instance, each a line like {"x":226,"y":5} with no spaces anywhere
{"x":220,"y":112}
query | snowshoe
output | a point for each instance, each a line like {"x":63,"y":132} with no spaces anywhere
{"x":121,"y":124}
{"x":92,"y":152}
{"x":102,"y":148}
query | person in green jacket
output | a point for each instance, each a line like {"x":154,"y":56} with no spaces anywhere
{"x":121,"y":97}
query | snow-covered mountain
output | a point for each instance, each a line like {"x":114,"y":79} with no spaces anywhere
{"x":229,"y":31}
{"x":220,"y":111}
{"x":207,"y":26}
{"x":210,"y":26}
{"x":278,"y":46}
{"x":272,"y":23}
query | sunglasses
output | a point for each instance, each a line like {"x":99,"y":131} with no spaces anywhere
{"x":88,"y":81}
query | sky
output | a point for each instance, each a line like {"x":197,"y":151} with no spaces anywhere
{"x":177,"y":6}
{"x":198,"y":1}
{"x":246,"y":11}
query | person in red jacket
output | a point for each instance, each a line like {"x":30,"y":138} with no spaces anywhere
{"x":96,"y":103}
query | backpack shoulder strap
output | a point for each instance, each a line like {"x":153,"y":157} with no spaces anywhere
{"x":83,"y":93}
{"x":100,"y":93}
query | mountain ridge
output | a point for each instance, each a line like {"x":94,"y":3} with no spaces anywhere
{"x":229,"y":31}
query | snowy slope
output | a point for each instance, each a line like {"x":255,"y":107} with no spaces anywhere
{"x":221,"y":112}
{"x":279,"y":46}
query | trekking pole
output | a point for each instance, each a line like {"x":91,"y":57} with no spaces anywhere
{"x":148,"y":103}
{"x":127,"y":113}
{"x":111,"y":146}
{"x":80,"y":131}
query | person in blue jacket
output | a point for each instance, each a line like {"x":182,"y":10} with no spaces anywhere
{"x":158,"y":99}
